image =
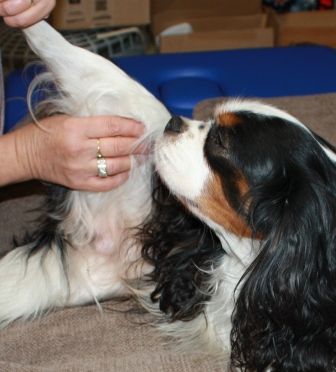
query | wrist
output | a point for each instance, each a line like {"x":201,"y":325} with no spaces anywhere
{"x":15,"y":158}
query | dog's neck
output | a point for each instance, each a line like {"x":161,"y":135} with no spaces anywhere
{"x":242,"y":250}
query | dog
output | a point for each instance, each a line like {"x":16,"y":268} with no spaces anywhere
{"x":230,"y":244}
{"x":266,"y":186}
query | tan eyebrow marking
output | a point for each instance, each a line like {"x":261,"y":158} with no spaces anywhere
{"x":227,"y":119}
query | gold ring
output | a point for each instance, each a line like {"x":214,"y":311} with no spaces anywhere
{"x":99,"y":154}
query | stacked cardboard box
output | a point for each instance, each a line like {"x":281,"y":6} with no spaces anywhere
{"x":317,"y":27}
{"x":215,"y":24}
{"x":85,"y":14}
{"x":211,"y":24}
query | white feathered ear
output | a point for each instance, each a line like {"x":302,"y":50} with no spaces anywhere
{"x":93,"y":84}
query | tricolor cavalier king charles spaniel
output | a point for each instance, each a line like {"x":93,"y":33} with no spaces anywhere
{"x":230,"y":243}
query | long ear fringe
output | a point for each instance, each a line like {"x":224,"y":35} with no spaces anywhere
{"x":183,"y":252}
{"x":285,"y":315}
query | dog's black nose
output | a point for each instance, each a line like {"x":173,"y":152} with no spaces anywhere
{"x":175,"y":125}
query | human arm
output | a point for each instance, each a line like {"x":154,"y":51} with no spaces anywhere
{"x":63,"y":150}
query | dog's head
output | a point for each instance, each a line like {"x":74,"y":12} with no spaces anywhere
{"x":221,"y":168}
{"x":255,"y":171}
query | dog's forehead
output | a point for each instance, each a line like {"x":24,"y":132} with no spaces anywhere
{"x":229,"y":110}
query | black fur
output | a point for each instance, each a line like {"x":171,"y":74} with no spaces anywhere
{"x":48,"y":232}
{"x":285,"y":315}
{"x":181,"y":249}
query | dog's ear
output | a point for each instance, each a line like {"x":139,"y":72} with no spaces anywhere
{"x":285,"y":314}
{"x":183,"y":252}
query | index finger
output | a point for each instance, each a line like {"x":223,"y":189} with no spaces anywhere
{"x":113,"y":126}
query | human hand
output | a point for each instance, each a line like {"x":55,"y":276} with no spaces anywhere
{"x":24,"y":13}
{"x":65,"y":151}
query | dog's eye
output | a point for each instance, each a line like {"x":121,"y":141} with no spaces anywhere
{"x":219,"y":140}
{"x":217,"y":137}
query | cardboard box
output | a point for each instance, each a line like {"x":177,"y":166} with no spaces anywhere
{"x":219,"y":34}
{"x":216,"y":24}
{"x":85,"y":14}
{"x":315,"y":27}
{"x":207,"y":7}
